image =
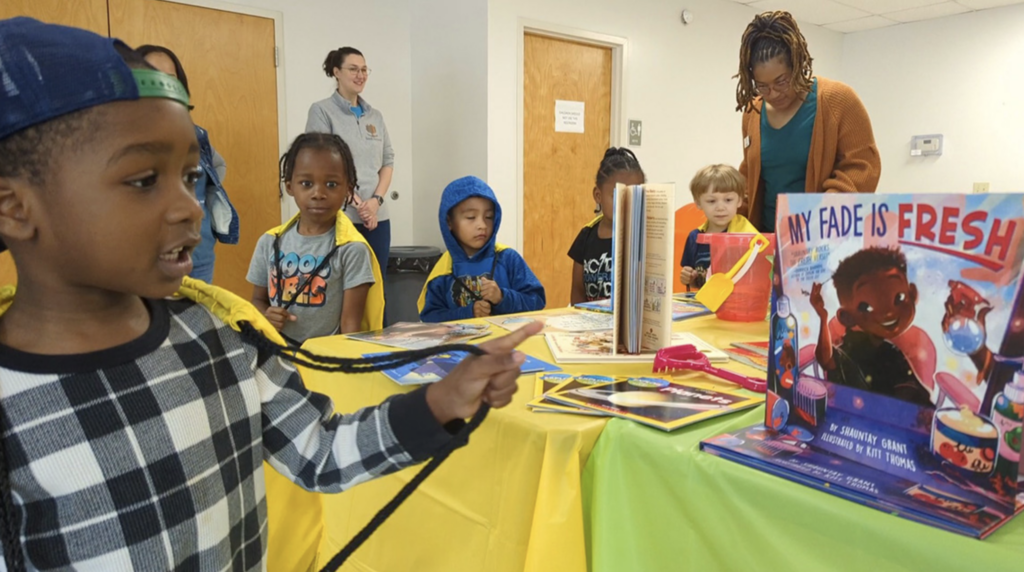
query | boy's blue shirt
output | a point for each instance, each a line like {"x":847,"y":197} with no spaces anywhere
{"x":696,"y":255}
{"x":442,"y":300}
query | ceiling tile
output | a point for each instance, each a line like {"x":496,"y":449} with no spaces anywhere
{"x":882,"y":6}
{"x":861,"y":24}
{"x":818,"y":12}
{"x":983,"y":4}
{"x":936,"y":11}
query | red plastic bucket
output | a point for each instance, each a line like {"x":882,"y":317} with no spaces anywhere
{"x":752,"y":293}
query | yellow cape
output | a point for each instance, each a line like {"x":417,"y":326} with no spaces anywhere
{"x":294,"y":515}
{"x":444,"y":268}
{"x":345,"y":232}
{"x":739,"y":224}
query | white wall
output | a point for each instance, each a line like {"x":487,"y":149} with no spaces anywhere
{"x":678,"y":82}
{"x":961,"y":76}
{"x":449,"y":103}
{"x":380,"y":30}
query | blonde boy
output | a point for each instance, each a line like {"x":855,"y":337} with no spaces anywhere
{"x":717,"y":192}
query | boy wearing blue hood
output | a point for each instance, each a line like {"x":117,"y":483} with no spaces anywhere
{"x":476,"y":277}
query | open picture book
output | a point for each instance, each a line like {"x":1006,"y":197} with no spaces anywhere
{"x":642,"y":268}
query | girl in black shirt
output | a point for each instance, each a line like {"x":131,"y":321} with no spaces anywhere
{"x":591,"y":252}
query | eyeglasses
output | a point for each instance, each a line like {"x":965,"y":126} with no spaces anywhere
{"x":779,"y":86}
{"x":358,"y":71}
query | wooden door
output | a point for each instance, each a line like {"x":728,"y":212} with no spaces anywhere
{"x":88,"y":14}
{"x":559,"y":168}
{"x":229,"y":59}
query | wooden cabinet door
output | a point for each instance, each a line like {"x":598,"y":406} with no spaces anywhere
{"x":559,"y":168}
{"x":229,"y":60}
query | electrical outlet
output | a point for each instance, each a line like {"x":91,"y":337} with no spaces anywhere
{"x":981,"y":187}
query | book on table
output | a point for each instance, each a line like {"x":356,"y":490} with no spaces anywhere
{"x":417,"y":336}
{"x":432,"y":369}
{"x":756,"y":347}
{"x":561,"y":320}
{"x":656,"y":401}
{"x":681,"y":309}
{"x":596,"y":347}
{"x":547,"y":383}
{"x":896,"y":337}
{"x":747,"y":357}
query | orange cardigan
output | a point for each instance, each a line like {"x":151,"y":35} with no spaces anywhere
{"x":843,"y":157}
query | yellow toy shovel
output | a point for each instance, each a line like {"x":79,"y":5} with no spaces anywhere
{"x":719,"y":286}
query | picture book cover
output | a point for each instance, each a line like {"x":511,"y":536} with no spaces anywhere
{"x":596,"y":347}
{"x":655,"y":401}
{"x":748,"y":357}
{"x":433,"y":368}
{"x":897,"y":334}
{"x":417,"y":335}
{"x":681,"y":309}
{"x":562,"y":320}
{"x":550,"y":382}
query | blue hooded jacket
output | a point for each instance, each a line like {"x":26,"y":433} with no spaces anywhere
{"x":443,"y":300}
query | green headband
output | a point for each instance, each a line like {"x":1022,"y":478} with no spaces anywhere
{"x":152,"y":83}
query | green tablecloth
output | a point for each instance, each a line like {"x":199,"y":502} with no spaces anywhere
{"x":654,"y":502}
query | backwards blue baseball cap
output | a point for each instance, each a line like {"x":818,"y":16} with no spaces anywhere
{"x":47,"y":71}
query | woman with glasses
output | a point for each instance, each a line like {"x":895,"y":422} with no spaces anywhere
{"x":346,"y":114}
{"x":801,"y":133}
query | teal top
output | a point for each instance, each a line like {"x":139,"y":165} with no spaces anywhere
{"x":784,"y":155}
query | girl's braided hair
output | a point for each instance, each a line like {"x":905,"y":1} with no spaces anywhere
{"x":617,"y":160}
{"x":321,"y":141}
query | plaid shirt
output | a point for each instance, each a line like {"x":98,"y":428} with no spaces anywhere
{"x":149,"y":456}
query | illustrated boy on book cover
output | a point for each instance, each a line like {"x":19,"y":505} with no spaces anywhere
{"x":897,"y":332}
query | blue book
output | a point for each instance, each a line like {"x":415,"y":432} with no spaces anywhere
{"x":432,"y":369}
{"x":896,"y":337}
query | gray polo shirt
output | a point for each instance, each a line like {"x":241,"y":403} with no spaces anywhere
{"x":368,"y":138}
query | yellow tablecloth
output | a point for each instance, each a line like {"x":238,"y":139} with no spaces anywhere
{"x":510,"y":501}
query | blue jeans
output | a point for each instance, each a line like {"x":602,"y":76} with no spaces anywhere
{"x":380,"y":243}
{"x":202,"y":256}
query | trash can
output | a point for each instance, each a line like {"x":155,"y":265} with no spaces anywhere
{"x":408,"y":268}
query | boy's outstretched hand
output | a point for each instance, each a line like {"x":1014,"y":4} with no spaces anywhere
{"x":491,"y":379}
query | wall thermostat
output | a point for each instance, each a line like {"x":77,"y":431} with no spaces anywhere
{"x":925,"y":145}
{"x":687,"y":16}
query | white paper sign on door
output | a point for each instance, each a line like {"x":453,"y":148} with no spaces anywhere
{"x":568,"y":116}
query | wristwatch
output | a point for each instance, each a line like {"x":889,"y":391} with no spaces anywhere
{"x":380,"y":200}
